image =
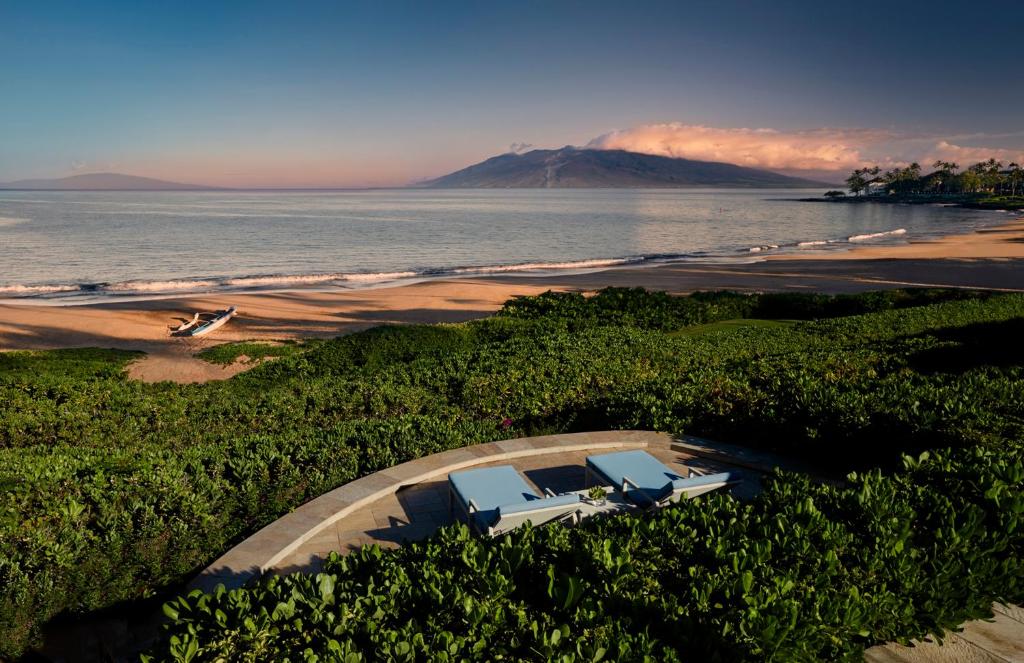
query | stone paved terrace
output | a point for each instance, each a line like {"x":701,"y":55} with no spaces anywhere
{"x":998,"y":640}
{"x":417,"y":511}
{"x":410,"y":501}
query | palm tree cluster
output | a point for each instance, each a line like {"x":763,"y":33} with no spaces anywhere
{"x":986,"y":177}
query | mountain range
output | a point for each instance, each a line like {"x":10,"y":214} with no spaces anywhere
{"x":101,"y":182}
{"x":572,"y":167}
{"x":568,"y":167}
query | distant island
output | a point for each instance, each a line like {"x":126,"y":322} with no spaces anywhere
{"x":985,"y":185}
{"x":572,"y":167}
{"x":101,"y":182}
{"x":568,"y":167}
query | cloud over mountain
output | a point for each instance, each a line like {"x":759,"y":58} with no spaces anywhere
{"x":820,"y":150}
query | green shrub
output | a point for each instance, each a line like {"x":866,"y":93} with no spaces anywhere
{"x":229,"y":353}
{"x":114,"y":490}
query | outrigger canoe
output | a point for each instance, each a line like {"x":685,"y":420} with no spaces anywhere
{"x":203,"y":323}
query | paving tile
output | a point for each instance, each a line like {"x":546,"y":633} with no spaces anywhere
{"x":388,"y":518}
{"x":1001,"y":636}
{"x":327,"y":539}
{"x":438,"y":518}
{"x":300,"y":562}
{"x":345,"y":536}
{"x":361,"y":520}
{"x":1012,"y":611}
{"x":954,"y":650}
{"x":421,"y":499}
{"x":354,"y":543}
{"x":514,"y":446}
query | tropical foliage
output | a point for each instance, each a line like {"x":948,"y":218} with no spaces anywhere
{"x":114,"y":490}
{"x":986,"y":177}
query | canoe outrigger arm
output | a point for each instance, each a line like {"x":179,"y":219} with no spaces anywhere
{"x":204,"y":323}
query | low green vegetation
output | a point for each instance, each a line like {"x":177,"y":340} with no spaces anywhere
{"x":250,"y":351}
{"x":730,"y":325}
{"x":114,"y":491}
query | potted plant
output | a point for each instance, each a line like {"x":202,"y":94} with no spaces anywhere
{"x":597,"y":495}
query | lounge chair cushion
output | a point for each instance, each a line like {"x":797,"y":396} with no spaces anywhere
{"x":652,"y":476}
{"x":538,"y":505}
{"x":489,"y":488}
{"x":703,"y":480}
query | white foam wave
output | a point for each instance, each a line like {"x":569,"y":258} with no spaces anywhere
{"x":250,"y":281}
{"x":158,"y":286}
{"x":30,"y":290}
{"x":543,"y":266}
{"x":868,"y":236}
{"x":169,"y":286}
{"x":816,"y":242}
{"x":766,"y":247}
{"x":381,"y":276}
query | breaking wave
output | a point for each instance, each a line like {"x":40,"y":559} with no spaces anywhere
{"x":543,"y":266}
{"x":271,"y":281}
{"x":869,"y":236}
{"x":36,"y":290}
{"x":817,"y":243}
{"x":138,"y":287}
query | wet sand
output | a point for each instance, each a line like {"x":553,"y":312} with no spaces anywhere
{"x":991,"y":259}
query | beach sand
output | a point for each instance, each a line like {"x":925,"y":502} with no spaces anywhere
{"x":1004,"y":241}
{"x":991,"y":259}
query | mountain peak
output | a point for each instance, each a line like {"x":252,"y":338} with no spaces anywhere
{"x":574,"y":167}
{"x":101,"y":182}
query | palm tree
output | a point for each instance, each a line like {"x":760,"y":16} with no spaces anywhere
{"x":948,"y":174}
{"x":973,"y":178}
{"x":856,"y":183}
{"x":1016,"y":177}
{"x":991,"y":176}
{"x":912,"y":175}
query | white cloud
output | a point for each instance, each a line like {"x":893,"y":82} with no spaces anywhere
{"x":823,"y":150}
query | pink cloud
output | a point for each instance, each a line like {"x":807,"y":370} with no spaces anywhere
{"x":821,"y":151}
{"x":817,"y":149}
{"x":965,"y":156}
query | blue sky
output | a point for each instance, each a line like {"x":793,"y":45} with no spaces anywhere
{"x":262,"y":94}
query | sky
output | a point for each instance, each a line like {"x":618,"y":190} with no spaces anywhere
{"x":295,"y":94}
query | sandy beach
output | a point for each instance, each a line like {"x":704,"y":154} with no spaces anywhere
{"x":1003,"y":241}
{"x":990,"y":259}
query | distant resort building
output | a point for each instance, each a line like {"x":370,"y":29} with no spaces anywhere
{"x":876,"y":187}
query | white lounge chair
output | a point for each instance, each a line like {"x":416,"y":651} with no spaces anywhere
{"x":496,"y":500}
{"x":646,"y":481}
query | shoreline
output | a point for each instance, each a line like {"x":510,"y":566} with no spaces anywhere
{"x":992,"y":258}
{"x":1005,"y":240}
{"x":73,"y":294}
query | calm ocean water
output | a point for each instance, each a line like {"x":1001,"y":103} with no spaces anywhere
{"x":68,"y":246}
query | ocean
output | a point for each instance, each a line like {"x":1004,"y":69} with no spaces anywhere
{"x":73,"y":246}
